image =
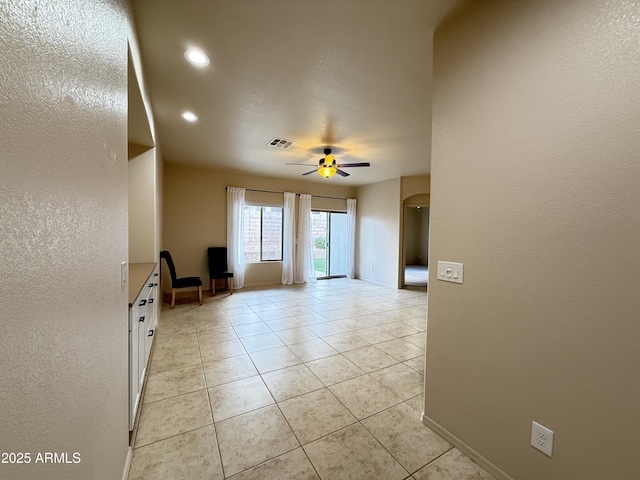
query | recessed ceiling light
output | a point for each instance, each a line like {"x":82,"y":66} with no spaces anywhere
{"x":189,"y":116}
{"x":197,"y":57}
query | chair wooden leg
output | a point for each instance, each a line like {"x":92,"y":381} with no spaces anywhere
{"x":231,"y":284}
{"x":173,"y":297}
{"x":200,"y":294}
{"x":213,"y":287}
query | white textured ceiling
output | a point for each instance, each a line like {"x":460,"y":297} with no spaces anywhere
{"x":355,"y":74}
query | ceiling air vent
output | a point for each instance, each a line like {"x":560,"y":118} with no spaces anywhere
{"x":281,"y":143}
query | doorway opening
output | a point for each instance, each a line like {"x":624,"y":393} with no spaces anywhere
{"x":416,"y":246}
{"x":329,"y":239}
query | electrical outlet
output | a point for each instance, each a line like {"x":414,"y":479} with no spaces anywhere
{"x":542,"y":438}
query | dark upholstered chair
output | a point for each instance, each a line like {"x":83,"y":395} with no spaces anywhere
{"x":218,"y":267}
{"x":184,"y":282}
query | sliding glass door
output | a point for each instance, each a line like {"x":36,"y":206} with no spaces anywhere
{"x":337,"y":244}
{"x":329,"y":237}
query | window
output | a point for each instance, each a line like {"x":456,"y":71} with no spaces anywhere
{"x":262,"y":233}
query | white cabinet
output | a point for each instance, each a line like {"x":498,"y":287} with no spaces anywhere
{"x":135,"y":313}
{"x":143,"y":313}
{"x":153,"y":305}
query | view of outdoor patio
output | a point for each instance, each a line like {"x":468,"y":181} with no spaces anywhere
{"x":263,"y":238}
{"x":329,"y":237}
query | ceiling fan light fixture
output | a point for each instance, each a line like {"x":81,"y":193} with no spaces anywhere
{"x":327,"y":171}
{"x":327,"y":165}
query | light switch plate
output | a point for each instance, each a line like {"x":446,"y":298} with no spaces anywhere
{"x":450,"y":272}
{"x":124,"y":275}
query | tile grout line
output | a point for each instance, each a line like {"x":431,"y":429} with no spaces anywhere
{"x":213,"y":420}
{"x":352,"y":330}
{"x":215,"y":432}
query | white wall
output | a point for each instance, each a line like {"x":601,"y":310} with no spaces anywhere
{"x":536,"y":125}
{"x":63,"y":234}
{"x":378,"y":232}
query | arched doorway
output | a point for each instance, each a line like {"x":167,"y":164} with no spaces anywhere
{"x":416,"y":241}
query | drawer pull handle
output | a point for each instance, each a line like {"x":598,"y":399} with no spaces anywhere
{"x":150,"y":300}
{"x":142,"y":303}
{"x":142,"y":318}
{"x":150,"y":333}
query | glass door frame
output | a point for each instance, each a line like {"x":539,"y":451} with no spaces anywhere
{"x":327,"y":268}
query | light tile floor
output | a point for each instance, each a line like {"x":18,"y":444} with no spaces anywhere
{"x":320,"y":381}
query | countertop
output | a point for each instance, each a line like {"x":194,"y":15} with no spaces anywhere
{"x":138,"y":275}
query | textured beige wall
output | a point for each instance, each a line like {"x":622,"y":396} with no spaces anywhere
{"x":63,"y":234}
{"x":534,"y":187}
{"x":145,"y":224}
{"x":415,"y":185}
{"x":416,"y":235}
{"x":412,"y":236}
{"x":378,"y":237}
{"x":195,"y":214}
{"x":142,"y":208}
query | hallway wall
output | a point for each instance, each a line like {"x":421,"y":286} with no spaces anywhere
{"x":534,"y":188}
{"x":63,"y":235}
{"x":378,"y":239}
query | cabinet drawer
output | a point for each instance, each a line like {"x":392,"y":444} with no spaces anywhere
{"x":148,"y":341}
{"x":134,"y":379}
{"x":142,"y":321}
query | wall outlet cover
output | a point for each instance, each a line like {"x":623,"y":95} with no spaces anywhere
{"x":542,"y":438}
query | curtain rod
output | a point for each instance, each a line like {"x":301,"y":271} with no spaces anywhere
{"x":273,"y":191}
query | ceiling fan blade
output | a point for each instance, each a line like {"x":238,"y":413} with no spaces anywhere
{"x":305,"y":164}
{"x":310,"y":172}
{"x":361,"y":164}
{"x":340,"y":172}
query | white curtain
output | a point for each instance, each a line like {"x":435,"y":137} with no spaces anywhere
{"x":351,"y":237}
{"x":288,"y":238}
{"x":304,"y":270}
{"x":235,"y":234}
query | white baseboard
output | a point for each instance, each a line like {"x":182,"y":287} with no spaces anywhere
{"x":466,"y":449}
{"x":376,"y":282}
{"x":127,"y":464}
{"x":263,"y":284}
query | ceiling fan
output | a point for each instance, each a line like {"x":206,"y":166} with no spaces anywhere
{"x":327,"y":166}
